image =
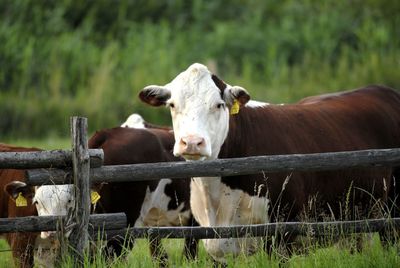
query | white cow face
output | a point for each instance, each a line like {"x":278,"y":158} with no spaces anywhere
{"x":50,"y":200}
{"x":53,"y":200}
{"x":199,"y":104}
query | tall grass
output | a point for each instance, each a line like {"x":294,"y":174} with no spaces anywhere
{"x":372,"y":255}
{"x":339,"y":255}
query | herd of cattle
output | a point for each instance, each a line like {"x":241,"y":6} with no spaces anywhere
{"x":212,"y":119}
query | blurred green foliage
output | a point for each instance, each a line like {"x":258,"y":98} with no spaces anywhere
{"x":90,"y":58}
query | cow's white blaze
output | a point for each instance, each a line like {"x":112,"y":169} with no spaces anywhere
{"x":198,"y":111}
{"x":155,"y":212}
{"x":53,"y":200}
{"x":215,"y":204}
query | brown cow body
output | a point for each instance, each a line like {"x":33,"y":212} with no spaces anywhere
{"x":22,"y":244}
{"x":362,"y":119}
{"x":130,"y":146}
{"x":207,"y":126}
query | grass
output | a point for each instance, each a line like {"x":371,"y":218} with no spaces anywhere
{"x":54,"y":65}
{"x":5,"y":254}
{"x":49,"y":143}
{"x":372,"y":255}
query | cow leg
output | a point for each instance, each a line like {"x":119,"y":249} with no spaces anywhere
{"x":157,"y":251}
{"x":390,"y":234}
{"x":280,"y":243}
{"x":25,"y":258}
{"x":191,"y":248}
{"x":22,"y":247}
{"x":191,"y":244}
{"x":119,"y":246}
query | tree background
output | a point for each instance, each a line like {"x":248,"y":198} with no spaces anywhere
{"x":91,"y":58}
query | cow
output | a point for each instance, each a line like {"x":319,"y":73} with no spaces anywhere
{"x":134,"y":121}
{"x":212,"y":119}
{"x":22,"y":244}
{"x":30,"y":249}
{"x":162,"y":202}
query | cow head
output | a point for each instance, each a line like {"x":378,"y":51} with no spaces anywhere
{"x":200,"y":103}
{"x":134,"y":121}
{"x":50,"y":200}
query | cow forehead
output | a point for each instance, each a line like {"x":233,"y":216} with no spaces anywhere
{"x":53,"y":194}
{"x":194,"y":85}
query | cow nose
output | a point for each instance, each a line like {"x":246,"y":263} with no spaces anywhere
{"x":192,"y":145}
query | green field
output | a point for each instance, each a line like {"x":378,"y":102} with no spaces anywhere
{"x":91,"y":58}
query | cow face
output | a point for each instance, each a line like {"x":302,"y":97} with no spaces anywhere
{"x":199,"y":104}
{"x":50,"y":200}
{"x":53,"y":200}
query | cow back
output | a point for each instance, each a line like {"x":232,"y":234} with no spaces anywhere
{"x":362,"y":119}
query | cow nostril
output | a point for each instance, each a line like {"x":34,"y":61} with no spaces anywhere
{"x":183,"y":142}
{"x":200,"y":142}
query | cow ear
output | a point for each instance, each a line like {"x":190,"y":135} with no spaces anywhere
{"x":155,"y":95}
{"x":15,"y":188}
{"x":237,"y":95}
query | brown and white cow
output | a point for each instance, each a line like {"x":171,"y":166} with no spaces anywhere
{"x":208,"y":124}
{"x":162,"y":202}
{"x":22,"y":244}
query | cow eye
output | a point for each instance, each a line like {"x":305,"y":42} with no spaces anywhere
{"x":220,"y":105}
{"x":171,"y":105}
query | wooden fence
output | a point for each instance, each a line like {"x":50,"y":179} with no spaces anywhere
{"x":44,"y":169}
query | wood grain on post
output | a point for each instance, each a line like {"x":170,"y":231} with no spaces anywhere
{"x":46,"y":159}
{"x":316,"y":229}
{"x":112,"y":221}
{"x":229,"y":167}
{"x":79,"y":238}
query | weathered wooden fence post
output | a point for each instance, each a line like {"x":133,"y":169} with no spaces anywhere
{"x":81,"y":165}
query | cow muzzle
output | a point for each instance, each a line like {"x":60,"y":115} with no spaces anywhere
{"x":192,"y":147}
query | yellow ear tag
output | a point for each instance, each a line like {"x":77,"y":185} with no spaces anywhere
{"x":94,"y":197}
{"x":20,"y":201}
{"x":235,"y":107}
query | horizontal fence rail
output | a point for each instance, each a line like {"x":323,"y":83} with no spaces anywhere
{"x":336,"y":228}
{"x":112,"y":221}
{"x":46,"y":159}
{"x":226,"y":167}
